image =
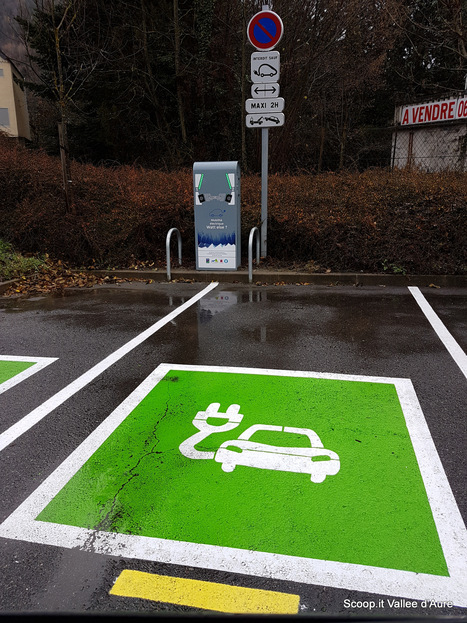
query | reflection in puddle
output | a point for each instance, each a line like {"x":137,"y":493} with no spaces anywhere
{"x":177,"y":303}
{"x":257,"y":296}
{"x":213,"y":304}
{"x":210,"y":305}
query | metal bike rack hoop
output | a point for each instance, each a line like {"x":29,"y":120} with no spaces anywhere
{"x":167,"y":250}
{"x":253,"y":231}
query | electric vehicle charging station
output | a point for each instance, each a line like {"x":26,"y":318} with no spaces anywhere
{"x":216,"y":189}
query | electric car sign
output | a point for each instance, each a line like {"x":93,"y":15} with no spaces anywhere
{"x":243,"y":451}
{"x":265,"y":67}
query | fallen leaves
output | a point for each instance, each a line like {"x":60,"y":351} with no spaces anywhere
{"x":54,"y":277}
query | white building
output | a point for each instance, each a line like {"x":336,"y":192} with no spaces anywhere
{"x":14,"y":117}
{"x":431,"y":135}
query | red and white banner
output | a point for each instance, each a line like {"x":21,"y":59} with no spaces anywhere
{"x":444,"y":110}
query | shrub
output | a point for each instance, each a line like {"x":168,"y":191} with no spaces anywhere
{"x":376,"y":221}
{"x":13,"y":265}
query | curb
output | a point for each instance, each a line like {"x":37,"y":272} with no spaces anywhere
{"x":261,"y":277}
{"x":288,"y":277}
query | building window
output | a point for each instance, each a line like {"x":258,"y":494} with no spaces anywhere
{"x":1,"y":73}
{"x":4,"y":117}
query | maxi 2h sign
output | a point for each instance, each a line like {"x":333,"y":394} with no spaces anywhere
{"x":275,"y":104}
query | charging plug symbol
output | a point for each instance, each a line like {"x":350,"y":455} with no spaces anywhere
{"x":187,"y":447}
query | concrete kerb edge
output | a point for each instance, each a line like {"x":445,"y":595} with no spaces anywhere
{"x":288,"y":277}
{"x":271,"y":277}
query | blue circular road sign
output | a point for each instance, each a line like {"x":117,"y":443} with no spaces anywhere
{"x":265,"y":30}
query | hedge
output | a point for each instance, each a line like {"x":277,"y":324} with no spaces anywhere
{"x":379,"y":220}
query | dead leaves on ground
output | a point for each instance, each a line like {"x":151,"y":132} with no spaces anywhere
{"x":54,"y":277}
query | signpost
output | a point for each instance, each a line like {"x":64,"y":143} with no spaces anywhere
{"x":264,"y":110}
{"x":265,"y":105}
{"x":265,"y":90}
{"x":265,"y":121}
{"x":265,"y":67}
{"x":265,"y":29}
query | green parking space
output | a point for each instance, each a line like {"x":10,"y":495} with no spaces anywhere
{"x":299,"y":466}
{"x":310,"y":477}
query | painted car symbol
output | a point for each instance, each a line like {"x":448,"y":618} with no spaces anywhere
{"x":257,"y":121}
{"x":265,"y":70}
{"x":315,"y":460}
{"x":273,"y":119}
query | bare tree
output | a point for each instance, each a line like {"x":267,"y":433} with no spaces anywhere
{"x":431,"y":56}
{"x":61,"y":63}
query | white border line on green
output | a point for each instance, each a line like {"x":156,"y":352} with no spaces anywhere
{"x":21,"y":524}
{"x":39,"y":364}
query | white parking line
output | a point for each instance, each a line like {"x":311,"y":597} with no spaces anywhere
{"x":28,"y":421}
{"x":39,"y":363}
{"x":449,"y":342}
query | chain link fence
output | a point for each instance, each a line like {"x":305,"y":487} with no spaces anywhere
{"x":430,"y":148}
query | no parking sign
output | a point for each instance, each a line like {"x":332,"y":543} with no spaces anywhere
{"x":264,"y":33}
{"x":265,"y":30}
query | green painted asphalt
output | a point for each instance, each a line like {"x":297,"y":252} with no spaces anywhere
{"x":9,"y":369}
{"x":374,"y":511}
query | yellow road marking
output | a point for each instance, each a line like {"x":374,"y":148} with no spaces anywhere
{"x":206,"y":595}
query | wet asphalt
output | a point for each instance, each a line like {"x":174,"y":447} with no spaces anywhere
{"x":370,"y":330}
